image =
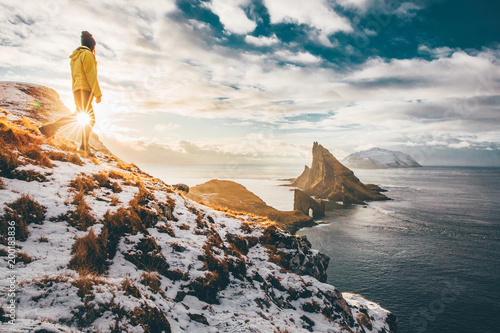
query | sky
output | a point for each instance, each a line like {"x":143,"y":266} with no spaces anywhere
{"x":258,"y":81}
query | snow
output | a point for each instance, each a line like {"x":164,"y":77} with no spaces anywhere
{"x":49,"y":295}
{"x":377,"y":158}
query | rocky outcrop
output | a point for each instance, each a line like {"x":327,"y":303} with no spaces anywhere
{"x":230,"y":195}
{"x":308,"y":205}
{"x":377,"y":158}
{"x":295,"y":254}
{"x":329,"y":179}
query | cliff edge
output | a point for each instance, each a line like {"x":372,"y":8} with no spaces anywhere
{"x":329,"y":179}
{"x":93,"y":244}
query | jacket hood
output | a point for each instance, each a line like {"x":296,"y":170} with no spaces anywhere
{"x":76,"y":53}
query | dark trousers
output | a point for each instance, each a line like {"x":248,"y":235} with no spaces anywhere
{"x":83,"y":101}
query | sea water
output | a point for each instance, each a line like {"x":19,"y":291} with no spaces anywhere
{"x":431,"y":255}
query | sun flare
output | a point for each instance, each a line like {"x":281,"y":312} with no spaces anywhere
{"x":83,"y":119}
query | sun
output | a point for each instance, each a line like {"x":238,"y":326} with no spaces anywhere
{"x":83,"y":119}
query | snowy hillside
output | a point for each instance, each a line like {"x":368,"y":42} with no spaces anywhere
{"x":377,"y":158}
{"x":93,"y":244}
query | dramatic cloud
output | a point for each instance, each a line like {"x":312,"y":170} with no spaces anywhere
{"x":262,"y":40}
{"x":259,"y":81}
{"x":315,"y":13}
{"x":232,"y":15}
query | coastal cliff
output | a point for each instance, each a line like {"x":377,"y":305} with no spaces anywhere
{"x":94,"y":244}
{"x":328,"y":179}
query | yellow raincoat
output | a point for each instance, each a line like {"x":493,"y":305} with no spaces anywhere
{"x":84,"y":71}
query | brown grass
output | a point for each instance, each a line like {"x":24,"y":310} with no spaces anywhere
{"x":75,"y":159}
{"x":89,"y":254}
{"x":103,"y":180}
{"x":167,"y":229}
{"x":42,"y":239}
{"x":80,"y":218}
{"x":35,"y":153}
{"x":23,"y":257}
{"x":9,"y":160}
{"x":85,"y":283}
{"x":20,"y":213}
{"x":117,"y":175}
{"x":130,"y":289}
{"x":83,"y":183}
{"x":57,"y":156}
{"x":28,"y":175}
{"x":115,"y":201}
{"x":151,"y":280}
{"x":15,"y":136}
{"x":150,"y":319}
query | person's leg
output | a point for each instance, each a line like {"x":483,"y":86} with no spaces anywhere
{"x":83,"y":101}
{"x":51,"y":129}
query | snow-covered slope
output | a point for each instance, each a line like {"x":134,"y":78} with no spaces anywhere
{"x":377,"y":158}
{"x":92,"y":244}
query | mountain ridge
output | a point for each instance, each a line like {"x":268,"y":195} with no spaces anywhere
{"x":378,"y":158}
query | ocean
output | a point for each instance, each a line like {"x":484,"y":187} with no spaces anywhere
{"x":431,"y":255}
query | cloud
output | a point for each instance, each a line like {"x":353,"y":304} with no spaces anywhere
{"x":262,"y":40}
{"x":314,"y":13}
{"x":232,"y":15}
{"x":173,"y":65}
{"x":407,"y":10}
{"x":300,"y":58}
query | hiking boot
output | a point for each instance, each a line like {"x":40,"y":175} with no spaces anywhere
{"x":48,"y":130}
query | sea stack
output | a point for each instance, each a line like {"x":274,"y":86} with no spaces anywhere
{"x":329,"y":179}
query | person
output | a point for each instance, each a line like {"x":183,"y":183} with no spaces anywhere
{"x":85,"y":88}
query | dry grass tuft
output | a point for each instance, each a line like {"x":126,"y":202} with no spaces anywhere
{"x":151,"y":280}
{"x":167,"y":229}
{"x":80,"y":218}
{"x":102,"y":180}
{"x":85,"y":283}
{"x":114,"y":174}
{"x":19,"y":214}
{"x":57,"y":156}
{"x":43,"y":239}
{"x":115,"y":201}
{"x":83,"y":184}
{"x":17,"y":137}
{"x":35,"y":153}
{"x":89,"y":254}
{"x":75,"y":159}
{"x":9,"y":160}
{"x":150,"y":319}
{"x":129,"y":288}
{"x":23,"y":257}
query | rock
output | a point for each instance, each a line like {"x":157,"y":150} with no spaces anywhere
{"x":305,"y":203}
{"x":294,"y":253}
{"x":329,"y":179}
{"x":377,"y":158}
{"x":181,"y":187}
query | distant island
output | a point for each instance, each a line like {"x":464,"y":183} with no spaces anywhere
{"x":329,"y":179}
{"x":377,"y":158}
